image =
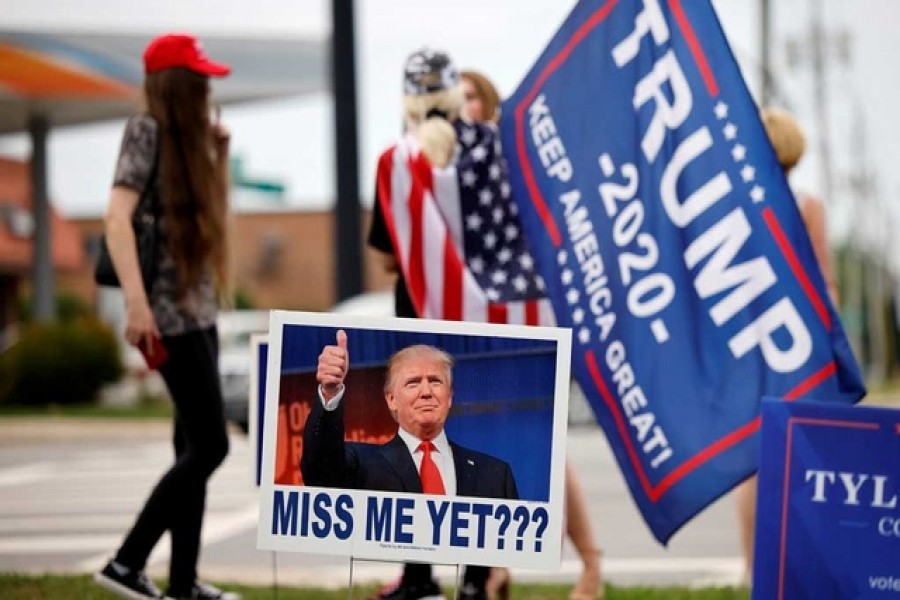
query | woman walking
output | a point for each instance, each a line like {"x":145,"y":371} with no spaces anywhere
{"x":174,"y":156}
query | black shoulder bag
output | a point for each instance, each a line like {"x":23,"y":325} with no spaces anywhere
{"x":146,"y":236}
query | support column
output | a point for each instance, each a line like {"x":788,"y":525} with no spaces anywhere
{"x":42,"y":267}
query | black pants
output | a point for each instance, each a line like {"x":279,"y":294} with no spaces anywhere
{"x":201,"y":443}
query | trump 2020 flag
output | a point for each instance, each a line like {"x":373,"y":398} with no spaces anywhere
{"x":669,"y":241}
{"x":456,"y":233}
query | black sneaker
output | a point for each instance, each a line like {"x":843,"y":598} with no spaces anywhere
{"x":402,"y":591}
{"x":205,"y":591}
{"x":126,"y":583}
{"x":470,"y":591}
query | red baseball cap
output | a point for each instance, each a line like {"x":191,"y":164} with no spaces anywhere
{"x":181,"y":50}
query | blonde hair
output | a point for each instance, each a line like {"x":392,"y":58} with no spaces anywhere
{"x":418,"y":350}
{"x":785,"y":135}
{"x":435,"y":134}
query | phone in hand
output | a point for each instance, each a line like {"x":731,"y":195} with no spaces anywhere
{"x":155,"y":353}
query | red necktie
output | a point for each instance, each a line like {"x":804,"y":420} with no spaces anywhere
{"x":428,"y":472}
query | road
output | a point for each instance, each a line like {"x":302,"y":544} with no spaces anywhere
{"x":70,"y":489}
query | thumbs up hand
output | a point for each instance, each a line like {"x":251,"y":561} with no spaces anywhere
{"x":334,"y":362}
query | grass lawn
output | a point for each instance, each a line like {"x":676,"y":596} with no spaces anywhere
{"x":147,"y":409}
{"x":40,"y":587}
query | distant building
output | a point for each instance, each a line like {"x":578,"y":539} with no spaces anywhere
{"x":281,"y":259}
{"x":16,"y":232}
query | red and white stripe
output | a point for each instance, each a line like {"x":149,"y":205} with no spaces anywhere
{"x":412,"y":195}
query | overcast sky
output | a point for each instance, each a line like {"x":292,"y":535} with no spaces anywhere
{"x":291,"y":140}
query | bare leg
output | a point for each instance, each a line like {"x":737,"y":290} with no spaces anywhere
{"x":745,"y":498}
{"x":497,"y":585}
{"x":578,"y":528}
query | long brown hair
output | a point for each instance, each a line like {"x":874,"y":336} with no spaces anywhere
{"x":194,"y":190}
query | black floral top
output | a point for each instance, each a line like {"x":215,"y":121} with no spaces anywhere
{"x":197,"y":310}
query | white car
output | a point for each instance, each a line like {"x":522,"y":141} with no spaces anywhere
{"x":235,"y":328}
{"x":370,"y":304}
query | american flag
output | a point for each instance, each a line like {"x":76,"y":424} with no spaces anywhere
{"x":458,"y":238}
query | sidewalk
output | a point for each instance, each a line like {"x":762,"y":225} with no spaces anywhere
{"x":34,"y":429}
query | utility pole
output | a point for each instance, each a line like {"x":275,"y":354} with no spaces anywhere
{"x":765,"y":55}
{"x":870,"y":224}
{"x":347,"y":228}
{"x":819,"y":43}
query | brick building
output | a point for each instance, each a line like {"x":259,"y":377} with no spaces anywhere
{"x":16,"y":231}
{"x":282,"y":259}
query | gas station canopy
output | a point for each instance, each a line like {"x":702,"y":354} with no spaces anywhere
{"x":74,"y":78}
{"x":53,"y":79}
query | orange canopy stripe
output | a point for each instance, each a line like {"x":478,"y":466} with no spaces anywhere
{"x":32,"y":74}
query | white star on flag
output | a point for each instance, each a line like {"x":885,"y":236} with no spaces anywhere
{"x":748,"y":173}
{"x":526,"y":262}
{"x":584,"y":335}
{"x":730,"y":131}
{"x":476,"y":263}
{"x":757,"y":193}
{"x":468,"y":137}
{"x":721,"y":110}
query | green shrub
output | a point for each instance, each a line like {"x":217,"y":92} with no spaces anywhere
{"x":60,"y":363}
{"x":242,"y":300}
{"x":66,"y":306}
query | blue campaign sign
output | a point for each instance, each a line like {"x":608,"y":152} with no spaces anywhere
{"x":259,"y":349}
{"x":669,"y":241}
{"x":828,"y":510}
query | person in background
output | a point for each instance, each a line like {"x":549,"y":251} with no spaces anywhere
{"x":483,"y":105}
{"x":178,"y":155}
{"x":789,"y":144}
{"x":482,"y":98}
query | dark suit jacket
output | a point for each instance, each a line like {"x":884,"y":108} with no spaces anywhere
{"x":329,"y":461}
